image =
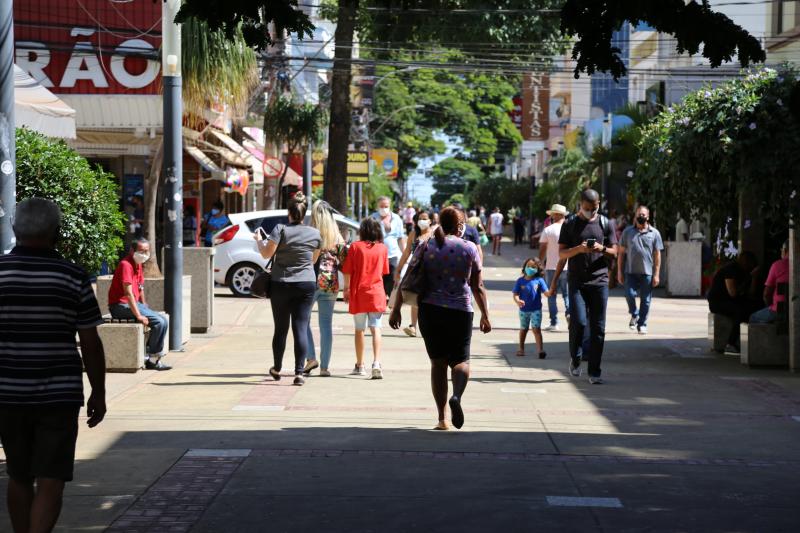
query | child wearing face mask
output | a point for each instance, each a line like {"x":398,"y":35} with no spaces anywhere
{"x":528,"y":296}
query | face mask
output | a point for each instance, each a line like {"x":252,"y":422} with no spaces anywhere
{"x":641,"y":219}
{"x":589,"y":214}
{"x":462,"y":230}
{"x":424,"y":224}
{"x":140,"y":257}
{"x":383,"y":211}
{"x":530,"y":271}
{"x":215,"y":211}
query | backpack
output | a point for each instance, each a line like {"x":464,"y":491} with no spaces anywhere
{"x":605,"y":226}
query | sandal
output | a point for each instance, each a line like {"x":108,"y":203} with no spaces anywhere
{"x":520,"y":353}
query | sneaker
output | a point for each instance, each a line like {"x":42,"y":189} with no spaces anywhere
{"x":542,"y":355}
{"x":596,"y":380}
{"x":575,"y":368}
{"x":324,"y":373}
{"x":632,"y":323}
{"x":732,"y":350}
{"x":299,"y":381}
{"x":358,"y":371}
{"x":311,"y":364}
{"x":411,"y":331}
{"x":551,"y":327}
{"x":642,"y":330}
{"x":377,"y":373}
{"x":158,"y":365}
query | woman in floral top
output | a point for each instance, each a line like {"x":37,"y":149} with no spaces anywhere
{"x":332,"y":255}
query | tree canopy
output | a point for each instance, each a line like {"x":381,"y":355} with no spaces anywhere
{"x":453,"y":177}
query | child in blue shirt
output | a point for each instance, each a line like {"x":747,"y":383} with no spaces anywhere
{"x":528,"y":296}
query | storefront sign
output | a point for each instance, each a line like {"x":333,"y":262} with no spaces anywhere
{"x":90,"y":46}
{"x":358,"y":167}
{"x":535,"y":107}
{"x":387,"y":161}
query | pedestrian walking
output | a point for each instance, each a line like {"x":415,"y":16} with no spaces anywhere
{"x":189,"y":227}
{"x":470,"y":232}
{"x":45,"y":302}
{"x":333,"y":252}
{"x":527,"y":293}
{"x":296,"y":248}
{"x":496,"y":229}
{"x":421,"y":233}
{"x":519,"y":226}
{"x":213,"y":221}
{"x":778,"y":275}
{"x":638,"y":266}
{"x":394,"y":238}
{"x":549,"y":253}
{"x":735,"y":293}
{"x":408,"y":217}
{"x":587,"y":242}
{"x":126,"y":301}
{"x":364,"y":270}
{"x":452,"y":269}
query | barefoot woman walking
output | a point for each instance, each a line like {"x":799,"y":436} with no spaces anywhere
{"x":452,"y":267}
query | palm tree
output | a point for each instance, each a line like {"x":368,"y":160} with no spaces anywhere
{"x":569,"y":173}
{"x":215,"y":70}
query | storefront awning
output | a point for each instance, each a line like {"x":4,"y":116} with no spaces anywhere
{"x":205,"y":162}
{"x":243,"y":154}
{"x":257,"y":134}
{"x":40,"y":110}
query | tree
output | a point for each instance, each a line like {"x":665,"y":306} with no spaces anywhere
{"x":570,"y":172}
{"x":696,"y":27}
{"x":295,"y":125}
{"x":453,"y":176}
{"x":92,"y":225}
{"x":499,"y":191}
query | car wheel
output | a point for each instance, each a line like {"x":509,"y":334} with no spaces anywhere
{"x":240,"y":277}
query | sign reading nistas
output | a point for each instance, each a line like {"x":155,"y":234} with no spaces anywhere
{"x":90,"y":46}
{"x":535,"y":107}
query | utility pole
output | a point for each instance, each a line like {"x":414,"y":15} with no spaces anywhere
{"x":173,"y":171}
{"x":8,"y":159}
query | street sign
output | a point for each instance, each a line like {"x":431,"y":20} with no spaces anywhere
{"x":358,"y":167}
{"x":387,"y":160}
{"x":273,"y":167}
{"x":317,"y":168}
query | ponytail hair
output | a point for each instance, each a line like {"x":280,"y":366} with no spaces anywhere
{"x":451,"y":222}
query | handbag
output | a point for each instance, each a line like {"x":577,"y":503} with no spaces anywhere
{"x":261,"y":287}
{"x":415,"y":282}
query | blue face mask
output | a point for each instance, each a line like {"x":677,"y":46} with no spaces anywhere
{"x":530,"y":271}
{"x":215,"y":211}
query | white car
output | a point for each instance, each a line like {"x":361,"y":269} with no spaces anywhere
{"x":237,"y":261}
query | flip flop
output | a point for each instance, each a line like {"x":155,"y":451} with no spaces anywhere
{"x":457,"y":415}
{"x":520,"y":353}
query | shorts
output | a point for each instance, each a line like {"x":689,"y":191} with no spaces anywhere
{"x":530,"y":320}
{"x":365,"y":320}
{"x":39,"y":441}
{"x":447,"y":333}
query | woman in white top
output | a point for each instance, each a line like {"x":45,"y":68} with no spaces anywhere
{"x":496,"y":229}
{"x":422,"y":232}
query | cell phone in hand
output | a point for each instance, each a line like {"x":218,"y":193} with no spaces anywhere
{"x":591,"y":242}
{"x":261,"y":233}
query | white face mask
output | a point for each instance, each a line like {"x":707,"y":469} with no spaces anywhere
{"x":383,"y":211}
{"x":587,"y":214}
{"x":462,"y":230}
{"x":140,"y":257}
{"x":424,"y":224}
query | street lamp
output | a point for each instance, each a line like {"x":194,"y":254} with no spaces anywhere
{"x":392,"y":73}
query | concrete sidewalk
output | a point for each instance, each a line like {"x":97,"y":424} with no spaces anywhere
{"x":677,"y":440}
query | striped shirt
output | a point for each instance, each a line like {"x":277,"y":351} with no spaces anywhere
{"x":44,"y":300}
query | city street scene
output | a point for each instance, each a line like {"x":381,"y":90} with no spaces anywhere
{"x":364,"y":265}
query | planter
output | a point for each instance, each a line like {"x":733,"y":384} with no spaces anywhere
{"x":199,"y":264}
{"x":684,"y":268}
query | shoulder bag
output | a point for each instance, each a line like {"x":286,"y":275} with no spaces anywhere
{"x":262,"y":282}
{"x":415,"y":282}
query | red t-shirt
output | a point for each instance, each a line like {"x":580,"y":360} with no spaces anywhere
{"x":367,"y":263}
{"x":127,"y":273}
{"x":778,"y":273}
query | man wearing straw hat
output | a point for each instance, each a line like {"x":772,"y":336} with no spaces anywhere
{"x":548,"y":252}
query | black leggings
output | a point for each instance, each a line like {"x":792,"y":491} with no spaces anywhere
{"x":291,"y":302}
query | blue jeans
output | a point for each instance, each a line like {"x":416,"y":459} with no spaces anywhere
{"x":763,"y":316}
{"x":552,"y":302}
{"x":158,"y":325}
{"x":325,"y":302}
{"x":587,"y":308}
{"x":643,"y":285}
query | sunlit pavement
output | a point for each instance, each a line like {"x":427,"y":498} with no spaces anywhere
{"x":676,"y":440}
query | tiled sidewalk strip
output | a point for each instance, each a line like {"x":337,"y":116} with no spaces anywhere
{"x":180,"y":497}
{"x":542,"y":458}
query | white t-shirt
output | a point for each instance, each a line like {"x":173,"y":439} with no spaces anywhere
{"x":550,"y":236}
{"x":496,"y":226}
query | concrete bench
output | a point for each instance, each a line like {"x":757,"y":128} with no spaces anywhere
{"x":763,"y":345}
{"x":123,"y":342}
{"x":719,"y":331}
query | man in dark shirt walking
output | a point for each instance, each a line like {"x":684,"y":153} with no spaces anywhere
{"x":587,"y":241}
{"x":44,"y":301}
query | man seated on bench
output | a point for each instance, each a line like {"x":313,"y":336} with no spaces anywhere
{"x":126,"y":301}
{"x":734,"y":293}
{"x":778,"y":273}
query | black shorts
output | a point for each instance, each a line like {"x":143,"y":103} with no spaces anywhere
{"x":447,"y":333}
{"x":39,"y":441}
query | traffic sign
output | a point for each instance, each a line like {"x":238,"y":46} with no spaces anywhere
{"x":273,"y":167}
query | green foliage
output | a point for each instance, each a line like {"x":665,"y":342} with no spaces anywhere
{"x":250,"y":17}
{"x":499,"y":191}
{"x":215,"y":69}
{"x":695,"y":26}
{"x":379,"y":185}
{"x":453,"y":176}
{"x":569,"y":173}
{"x":92,"y":226}
{"x":293,"y":124}
{"x":740,"y":138}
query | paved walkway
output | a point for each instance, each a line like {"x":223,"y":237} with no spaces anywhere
{"x":677,"y":440}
